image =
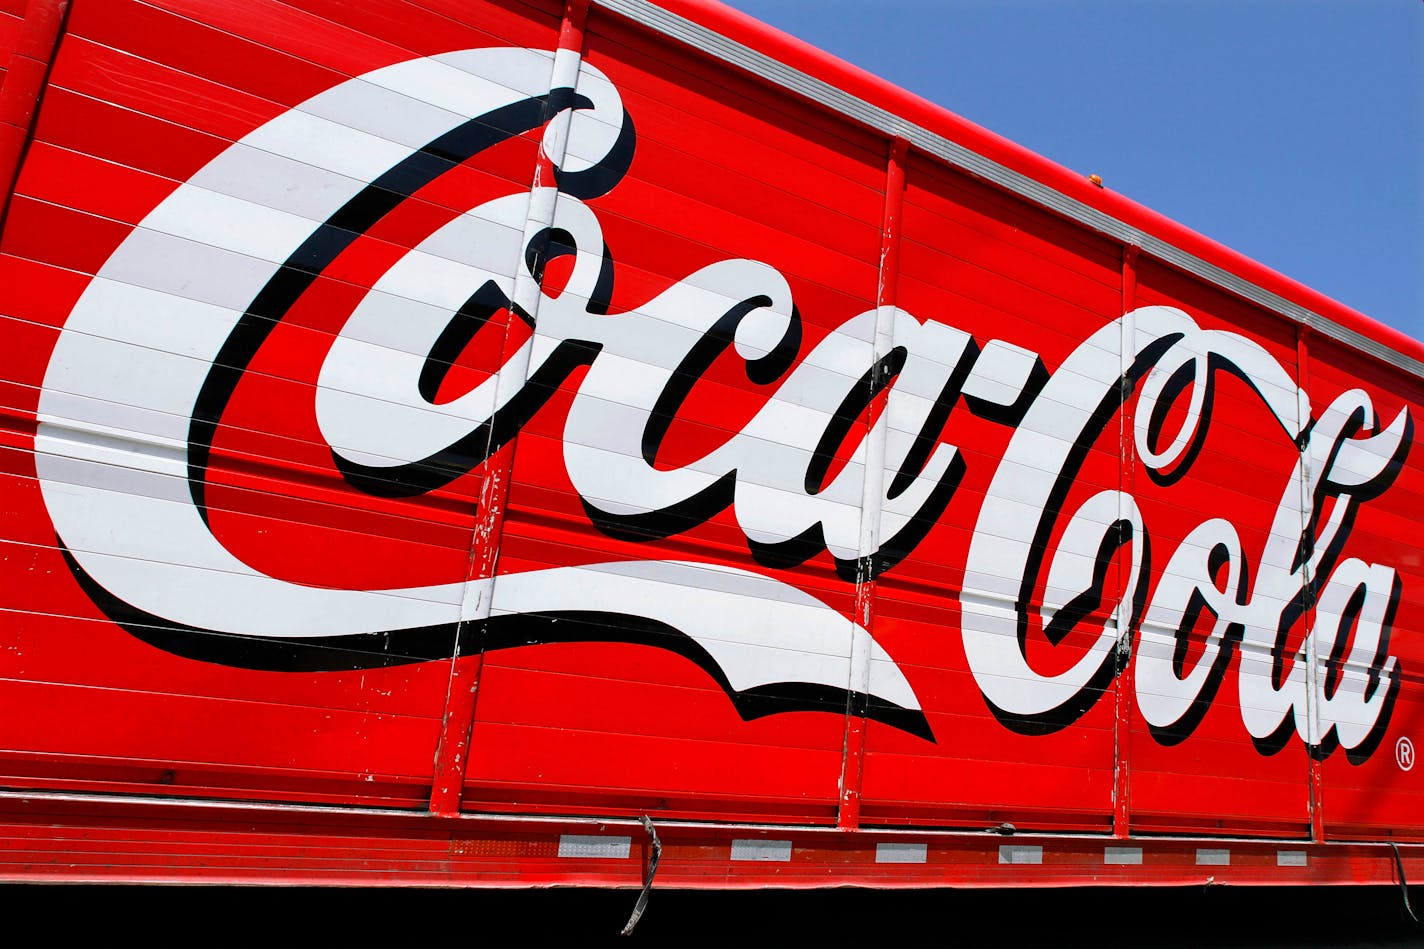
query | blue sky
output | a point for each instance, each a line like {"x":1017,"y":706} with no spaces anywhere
{"x":1289,"y":130}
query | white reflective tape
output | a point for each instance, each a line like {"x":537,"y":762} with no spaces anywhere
{"x":767,"y":851}
{"x":1122,"y":855}
{"x":607,"y":848}
{"x":1290,"y":858}
{"x":1020,"y":853}
{"x":1213,"y":858}
{"x":901,"y":853}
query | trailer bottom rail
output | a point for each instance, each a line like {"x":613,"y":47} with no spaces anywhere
{"x":90,"y":839}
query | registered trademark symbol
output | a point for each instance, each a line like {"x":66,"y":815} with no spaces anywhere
{"x":1404,"y":754}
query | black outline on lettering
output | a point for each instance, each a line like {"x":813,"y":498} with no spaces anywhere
{"x":1065,"y":714}
{"x":429,"y":643}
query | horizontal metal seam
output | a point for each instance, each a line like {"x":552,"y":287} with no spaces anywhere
{"x":708,"y":41}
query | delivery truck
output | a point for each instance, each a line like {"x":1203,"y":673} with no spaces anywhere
{"x":524,"y":442}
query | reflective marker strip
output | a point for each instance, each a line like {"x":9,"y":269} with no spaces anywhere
{"x":608,"y":848}
{"x":1290,"y":858}
{"x":1122,"y":855}
{"x":766,"y":851}
{"x":1213,"y":858}
{"x":901,"y":853}
{"x":1015,"y":853}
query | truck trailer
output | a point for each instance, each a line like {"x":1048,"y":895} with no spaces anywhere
{"x":522,"y":442}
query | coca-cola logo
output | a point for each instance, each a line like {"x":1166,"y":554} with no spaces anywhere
{"x":134,"y":522}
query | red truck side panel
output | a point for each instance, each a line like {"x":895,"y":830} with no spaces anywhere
{"x":447,"y":432}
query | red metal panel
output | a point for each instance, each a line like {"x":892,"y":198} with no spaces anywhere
{"x":108,"y":150}
{"x":450,"y":407}
{"x":28,"y":34}
{"x":1374,"y":791}
{"x":716,"y":173}
{"x":977,"y":263}
{"x":11,"y":24}
{"x":819,"y":65}
{"x":122,"y":842}
{"x":1200,"y":768}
